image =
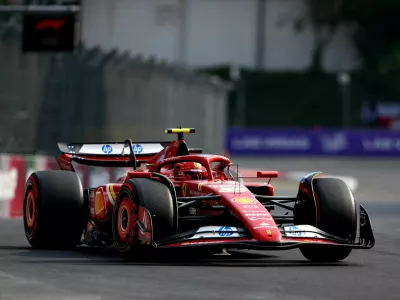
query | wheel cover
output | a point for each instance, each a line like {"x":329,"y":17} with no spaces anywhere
{"x":125,"y":225}
{"x":30,"y":209}
{"x":31,"y":213}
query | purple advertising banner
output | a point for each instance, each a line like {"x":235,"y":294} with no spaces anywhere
{"x":309,"y":142}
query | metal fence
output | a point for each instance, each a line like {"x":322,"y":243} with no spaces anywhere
{"x":98,"y":96}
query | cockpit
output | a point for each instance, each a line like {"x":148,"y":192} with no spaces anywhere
{"x":189,"y":170}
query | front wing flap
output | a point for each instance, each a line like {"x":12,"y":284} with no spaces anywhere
{"x":292,"y":237}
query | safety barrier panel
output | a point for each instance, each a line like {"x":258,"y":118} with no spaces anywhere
{"x":318,"y":142}
{"x":15,"y":170}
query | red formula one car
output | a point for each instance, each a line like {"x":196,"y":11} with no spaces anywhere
{"x":184,"y":198}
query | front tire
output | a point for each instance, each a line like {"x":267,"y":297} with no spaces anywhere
{"x":333,"y":210}
{"x":54,"y":209}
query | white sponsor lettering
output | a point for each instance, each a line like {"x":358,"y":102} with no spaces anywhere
{"x":228,"y":190}
{"x":263,"y":225}
{"x":258,"y":218}
{"x":250,"y":206}
{"x":334,"y":143}
{"x":257,"y":215}
{"x":273,"y":142}
{"x":381,"y":144}
{"x":222,"y":185}
{"x":233,"y":189}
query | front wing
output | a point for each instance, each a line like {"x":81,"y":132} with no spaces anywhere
{"x":292,"y":237}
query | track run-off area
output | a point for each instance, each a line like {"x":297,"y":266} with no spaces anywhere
{"x":96,"y":274}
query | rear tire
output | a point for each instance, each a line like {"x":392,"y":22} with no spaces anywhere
{"x":332,"y":210}
{"x":157,"y":199}
{"x":54,"y":209}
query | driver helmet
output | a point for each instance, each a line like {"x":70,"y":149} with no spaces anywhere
{"x":190,"y":170}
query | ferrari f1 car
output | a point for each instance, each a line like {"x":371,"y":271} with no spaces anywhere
{"x":184,"y":198}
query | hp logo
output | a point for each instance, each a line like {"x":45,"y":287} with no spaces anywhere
{"x":137,"y":148}
{"x":295,"y":228}
{"x":107,"y":149}
{"x":225,"y":231}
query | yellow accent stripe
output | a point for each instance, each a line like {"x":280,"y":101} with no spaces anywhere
{"x":112,"y":192}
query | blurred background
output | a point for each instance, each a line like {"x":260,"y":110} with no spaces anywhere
{"x":295,"y":78}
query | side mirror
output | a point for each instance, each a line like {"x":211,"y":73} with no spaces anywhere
{"x":267,"y":174}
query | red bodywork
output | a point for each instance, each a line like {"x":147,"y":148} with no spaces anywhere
{"x":235,"y":196}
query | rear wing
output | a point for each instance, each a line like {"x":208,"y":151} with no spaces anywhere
{"x":111,"y":154}
{"x":113,"y":148}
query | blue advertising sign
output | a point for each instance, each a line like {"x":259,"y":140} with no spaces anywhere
{"x":313,"y":142}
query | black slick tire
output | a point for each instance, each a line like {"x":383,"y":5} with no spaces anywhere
{"x":54,"y":209}
{"x":332,"y":210}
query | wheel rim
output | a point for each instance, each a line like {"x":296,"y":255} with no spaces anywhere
{"x":126,"y":224}
{"x":31,"y":211}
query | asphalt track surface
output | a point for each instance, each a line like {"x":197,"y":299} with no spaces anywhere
{"x":87,"y":274}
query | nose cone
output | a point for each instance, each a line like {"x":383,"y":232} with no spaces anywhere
{"x":254,"y":216}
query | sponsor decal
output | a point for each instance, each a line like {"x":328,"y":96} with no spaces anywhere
{"x":216,"y":231}
{"x":229,"y":190}
{"x":192,"y":211}
{"x":257,"y":215}
{"x":261,"y":219}
{"x":196,"y":193}
{"x":184,"y":189}
{"x":294,"y":228}
{"x":107,"y":149}
{"x":225,"y":231}
{"x":250,"y":206}
{"x":218,"y":185}
{"x":305,"y":231}
{"x":137,"y":148}
{"x":314,"y":142}
{"x":245,"y":200}
{"x":263,"y":225}
{"x":333,"y":143}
